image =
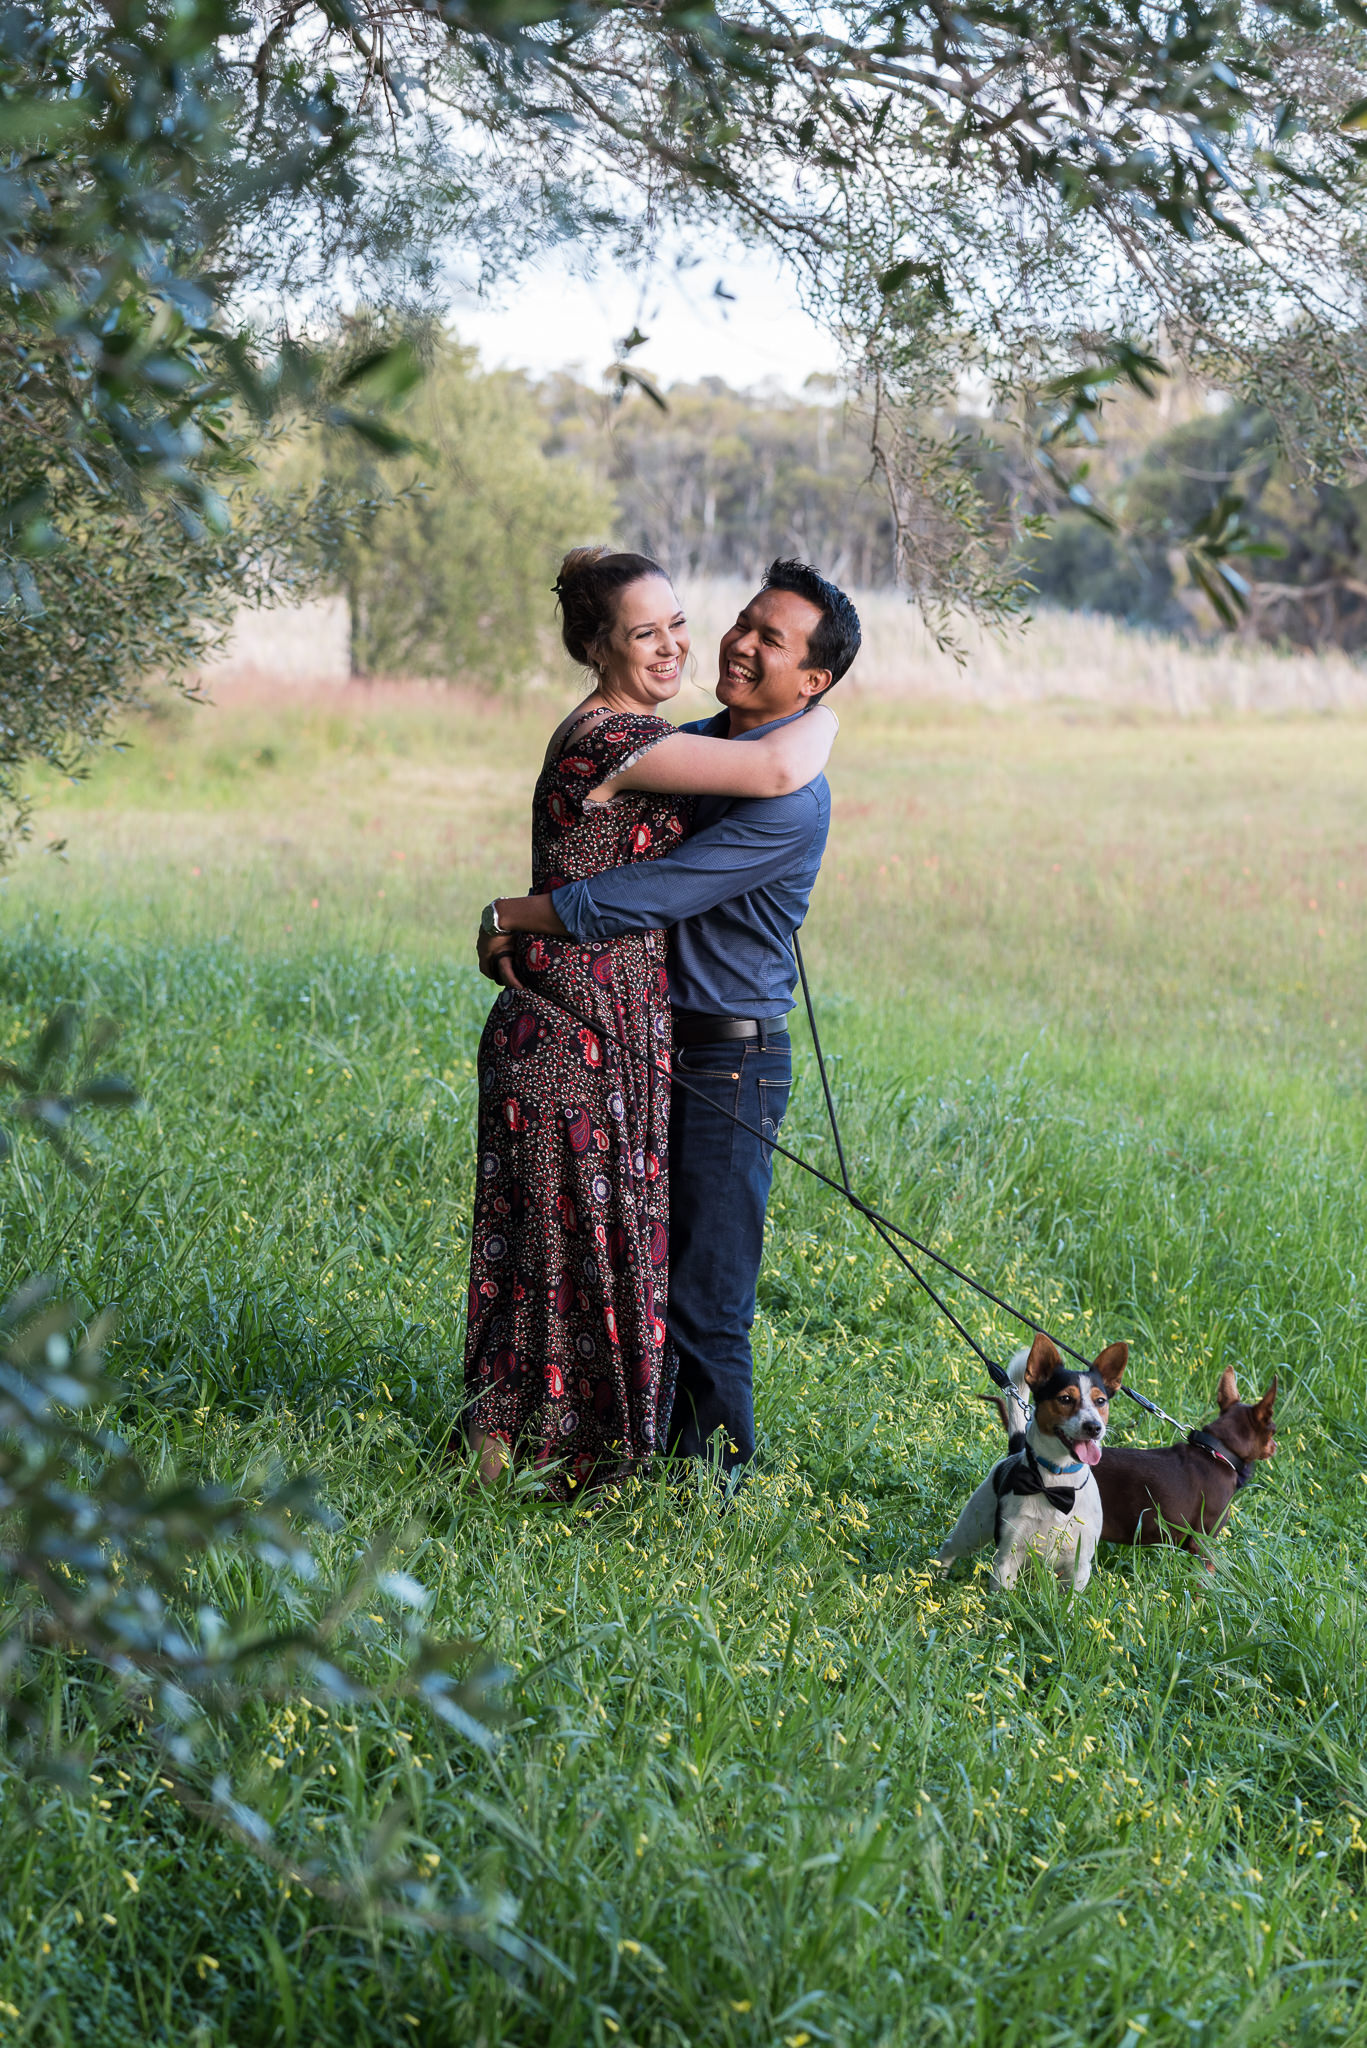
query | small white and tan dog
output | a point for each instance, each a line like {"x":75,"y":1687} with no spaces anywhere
{"x":1034,"y":1503}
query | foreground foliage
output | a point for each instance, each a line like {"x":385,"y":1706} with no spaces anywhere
{"x":97,"y":1582}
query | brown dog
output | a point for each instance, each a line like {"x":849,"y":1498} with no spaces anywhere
{"x":1182,"y":1492}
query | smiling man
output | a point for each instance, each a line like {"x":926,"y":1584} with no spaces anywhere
{"x":732,"y":895}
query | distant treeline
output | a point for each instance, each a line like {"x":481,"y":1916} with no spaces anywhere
{"x":454,"y":578}
{"x":723,"y":481}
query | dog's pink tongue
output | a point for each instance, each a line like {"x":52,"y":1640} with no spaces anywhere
{"x":1089,"y":1453}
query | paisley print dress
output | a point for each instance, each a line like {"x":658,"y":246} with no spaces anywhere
{"x":565,"y":1355}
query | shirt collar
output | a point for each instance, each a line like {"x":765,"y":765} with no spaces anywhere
{"x":717,"y":727}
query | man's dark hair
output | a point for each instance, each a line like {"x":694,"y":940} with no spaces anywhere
{"x":835,"y":641}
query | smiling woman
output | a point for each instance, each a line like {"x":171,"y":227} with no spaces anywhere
{"x":623,"y":621}
{"x":566,"y":1362}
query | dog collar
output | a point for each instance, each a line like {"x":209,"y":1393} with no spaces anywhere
{"x":1204,"y":1441}
{"x":1049,"y":1466}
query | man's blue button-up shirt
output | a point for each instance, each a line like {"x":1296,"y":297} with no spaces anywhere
{"x":732,"y":894}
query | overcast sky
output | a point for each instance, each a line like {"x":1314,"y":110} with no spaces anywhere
{"x":553,"y":320}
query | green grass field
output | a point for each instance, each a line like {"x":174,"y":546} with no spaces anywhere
{"x":1094,"y":991}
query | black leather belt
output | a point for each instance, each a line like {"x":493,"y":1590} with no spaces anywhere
{"x":693,"y":1027}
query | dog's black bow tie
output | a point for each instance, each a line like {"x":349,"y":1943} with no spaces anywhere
{"x":1023,"y":1476}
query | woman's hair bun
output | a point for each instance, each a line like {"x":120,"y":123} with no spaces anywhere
{"x":587,"y":589}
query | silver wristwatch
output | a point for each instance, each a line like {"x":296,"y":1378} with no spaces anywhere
{"x":488,"y":919}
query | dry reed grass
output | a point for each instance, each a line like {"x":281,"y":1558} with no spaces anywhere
{"x":1058,"y":657}
{"x":1070,"y":656}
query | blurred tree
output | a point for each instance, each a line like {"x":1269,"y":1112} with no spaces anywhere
{"x":453,"y":576}
{"x":452,"y":579}
{"x":129,"y":530}
{"x":1084,"y":567}
{"x":1316,"y":595}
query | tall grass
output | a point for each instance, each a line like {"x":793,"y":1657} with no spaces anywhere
{"x":762,"y":1779}
{"x":1068,"y":657}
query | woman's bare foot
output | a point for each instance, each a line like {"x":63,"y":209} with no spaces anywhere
{"x":492,"y":1454}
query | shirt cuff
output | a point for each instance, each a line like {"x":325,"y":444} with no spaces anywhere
{"x":574,"y":907}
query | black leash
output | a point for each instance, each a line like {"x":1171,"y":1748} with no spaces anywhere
{"x":998,"y":1376}
{"x":882,"y":1227}
{"x":1243,"y":1471}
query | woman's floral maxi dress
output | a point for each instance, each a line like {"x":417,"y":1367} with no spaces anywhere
{"x":565,"y":1354}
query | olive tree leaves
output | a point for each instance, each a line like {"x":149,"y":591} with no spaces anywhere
{"x":134,"y":394}
{"x":173,"y":1605}
{"x":61,"y":1083}
{"x":161,"y":1605}
{"x":1212,"y":544}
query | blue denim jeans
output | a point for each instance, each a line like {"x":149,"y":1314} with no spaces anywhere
{"x":719,"y":1176}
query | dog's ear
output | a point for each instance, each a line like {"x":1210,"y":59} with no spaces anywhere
{"x":1261,"y":1411}
{"x":1044,"y":1361}
{"x":1227,"y":1391}
{"x":1111,"y":1366}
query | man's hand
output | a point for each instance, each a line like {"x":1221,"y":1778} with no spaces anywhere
{"x":495,"y":951}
